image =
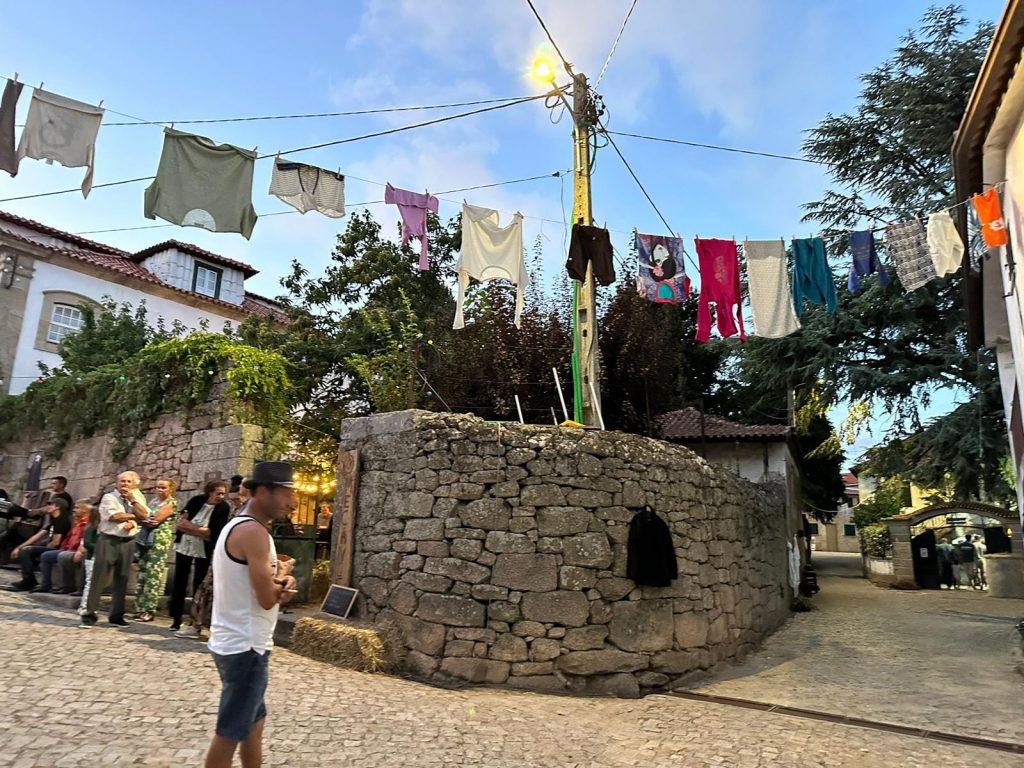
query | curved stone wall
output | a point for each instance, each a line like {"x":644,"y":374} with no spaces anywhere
{"x":500,"y":553}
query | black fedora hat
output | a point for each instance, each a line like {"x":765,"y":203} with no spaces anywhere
{"x":271,"y":473}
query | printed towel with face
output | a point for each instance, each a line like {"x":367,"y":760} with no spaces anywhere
{"x":413,"y":207}
{"x":719,"y":285}
{"x":202,"y":184}
{"x":661,"y":276}
{"x":768,"y":280}
{"x":62,"y":130}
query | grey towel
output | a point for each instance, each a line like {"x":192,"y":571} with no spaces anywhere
{"x":202,"y":184}
{"x":8,"y":153}
{"x":770,"y":295}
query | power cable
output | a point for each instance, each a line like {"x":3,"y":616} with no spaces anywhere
{"x":305,"y":149}
{"x":615,"y":44}
{"x":647,"y":195}
{"x":400,"y":129}
{"x":309,"y":115}
{"x":717,"y":147}
{"x":565,"y":63}
{"x":556,"y":174}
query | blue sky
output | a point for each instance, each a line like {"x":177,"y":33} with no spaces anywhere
{"x":748,"y":73}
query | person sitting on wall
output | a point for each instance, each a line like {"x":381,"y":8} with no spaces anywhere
{"x":23,"y":524}
{"x":59,"y":490}
{"x":72,"y":576}
{"x":55,"y":527}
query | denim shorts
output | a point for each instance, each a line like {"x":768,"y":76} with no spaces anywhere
{"x":243,"y":678}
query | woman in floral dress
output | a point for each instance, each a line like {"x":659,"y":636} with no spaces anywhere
{"x":153,"y":565}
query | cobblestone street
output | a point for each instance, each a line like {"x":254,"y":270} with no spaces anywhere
{"x":139,"y":697}
{"x":931,"y":659}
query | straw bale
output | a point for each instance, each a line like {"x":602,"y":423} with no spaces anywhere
{"x":350,"y":644}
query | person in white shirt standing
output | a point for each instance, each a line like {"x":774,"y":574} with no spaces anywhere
{"x":249,"y":585}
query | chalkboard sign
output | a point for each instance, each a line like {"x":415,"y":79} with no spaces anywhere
{"x":339,"y":601}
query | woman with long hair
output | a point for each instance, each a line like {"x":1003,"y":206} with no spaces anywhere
{"x":157,"y":537}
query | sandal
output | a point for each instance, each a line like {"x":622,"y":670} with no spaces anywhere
{"x":144,"y":617}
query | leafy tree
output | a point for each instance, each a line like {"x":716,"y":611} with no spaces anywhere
{"x":111,"y":333}
{"x":885,"y":350}
{"x":888,"y":499}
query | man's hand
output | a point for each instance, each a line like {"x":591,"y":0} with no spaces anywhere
{"x":289,"y":590}
{"x":285,"y":565}
{"x":15,"y":552}
{"x":79,"y":556}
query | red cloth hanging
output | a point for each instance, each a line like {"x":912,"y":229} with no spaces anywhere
{"x":719,"y":284}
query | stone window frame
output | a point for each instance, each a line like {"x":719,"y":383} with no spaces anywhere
{"x":209,"y":268}
{"x":813,"y":529}
{"x":849,"y":529}
{"x":51,"y":299}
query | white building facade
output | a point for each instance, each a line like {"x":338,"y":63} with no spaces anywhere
{"x":47,"y":275}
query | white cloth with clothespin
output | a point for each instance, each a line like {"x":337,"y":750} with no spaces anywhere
{"x":62,"y":130}
{"x":490,"y":252}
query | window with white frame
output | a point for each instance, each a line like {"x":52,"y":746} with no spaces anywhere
{"x":206,"y":280}
{"x":64,"y":320}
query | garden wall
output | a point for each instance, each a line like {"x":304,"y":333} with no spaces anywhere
{"x":189,"y":452}
{"x":500,"y":553}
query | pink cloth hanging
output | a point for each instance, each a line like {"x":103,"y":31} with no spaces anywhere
{"x":719,"y":284}
{"x":413,"y":207}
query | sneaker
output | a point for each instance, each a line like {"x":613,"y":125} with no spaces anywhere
{"x":39,"y":589}
{"x":87,"y":620}
{"x":189,"y":632}
{"x":21,"y":586}
{"x":174,"y":628}
{"x":76,"y":593}
{"x":119,"y":622}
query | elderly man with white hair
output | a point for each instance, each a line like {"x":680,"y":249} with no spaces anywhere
{"x":120,"y":514}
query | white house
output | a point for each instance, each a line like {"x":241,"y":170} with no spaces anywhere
{"x":46,"y":274}
{"x":757,"y":452}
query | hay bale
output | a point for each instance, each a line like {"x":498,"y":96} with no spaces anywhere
{"x":350,"y":644}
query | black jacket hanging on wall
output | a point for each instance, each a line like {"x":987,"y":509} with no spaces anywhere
{"x":650,"y":554}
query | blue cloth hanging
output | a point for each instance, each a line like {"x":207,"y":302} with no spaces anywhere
{"x":865,"y":260}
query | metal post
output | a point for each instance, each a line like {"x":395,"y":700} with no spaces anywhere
{"x":586,"y":364}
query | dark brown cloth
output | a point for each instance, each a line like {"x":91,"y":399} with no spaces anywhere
{"x":8,"y":153}
{"x":590,"y":245}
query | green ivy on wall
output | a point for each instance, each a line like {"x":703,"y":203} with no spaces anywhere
{"x":126,"y":398}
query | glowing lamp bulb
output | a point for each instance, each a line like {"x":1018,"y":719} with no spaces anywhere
{"x":543,"y":70}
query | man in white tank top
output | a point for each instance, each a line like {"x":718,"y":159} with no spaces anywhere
{"x":249,"y":584}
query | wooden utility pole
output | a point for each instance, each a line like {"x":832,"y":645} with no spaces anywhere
{"x":586,"y":361}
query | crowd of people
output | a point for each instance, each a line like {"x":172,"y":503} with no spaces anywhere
{"x":962,"y":561}
{"x":96,"y":543}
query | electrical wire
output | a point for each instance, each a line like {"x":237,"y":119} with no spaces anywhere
{"x":718,"y":147}
{"x":309,"y":115}
{"x":565,"y":63}
{"x":400,"y":129}
{"x":305,"y":149}
{"x":556,"y":174}
{"x":615,"y":45}
{"x":647,"y":195}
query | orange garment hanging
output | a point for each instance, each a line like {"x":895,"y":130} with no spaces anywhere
{"x":993,"y":228}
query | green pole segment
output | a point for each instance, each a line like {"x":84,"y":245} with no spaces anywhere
{"x":577,"y":377}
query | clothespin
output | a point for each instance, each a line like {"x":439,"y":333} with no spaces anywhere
{"x":40,"y":86}
{"x":15,"y":77}
{"x":100,"y":105}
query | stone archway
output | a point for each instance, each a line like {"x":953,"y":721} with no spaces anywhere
{"x":900,"y":527}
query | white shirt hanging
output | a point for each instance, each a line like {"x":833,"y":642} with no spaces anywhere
{"x":63,"y":130}
{"x":944,"y":243}
{"x":490,"y":252}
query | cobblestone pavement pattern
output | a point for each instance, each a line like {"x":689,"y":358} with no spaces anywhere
{"x":139,"y":697}
{"x":930,"y":659}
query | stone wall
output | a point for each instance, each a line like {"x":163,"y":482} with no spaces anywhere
{"x":188,"y":452}
{"x":500,"y":553}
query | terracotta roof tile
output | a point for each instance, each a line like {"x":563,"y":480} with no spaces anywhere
{"x":690,"y":424}
{"x":91,"y":245}
{"x":195,"y":250}
{"x":121,"y":262}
